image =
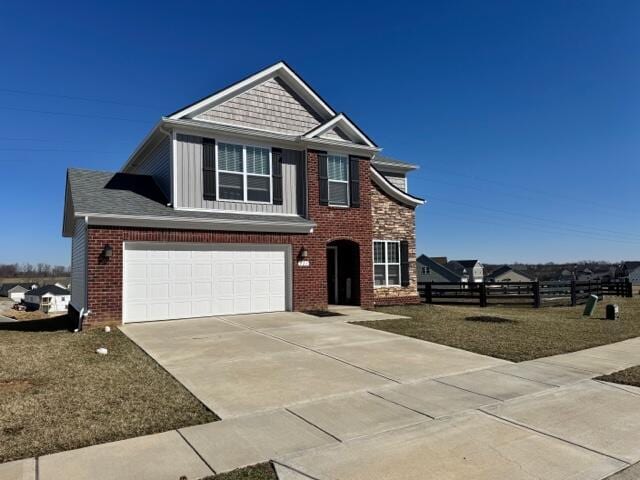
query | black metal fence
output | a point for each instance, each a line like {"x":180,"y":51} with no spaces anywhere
{"x":535,"y":294}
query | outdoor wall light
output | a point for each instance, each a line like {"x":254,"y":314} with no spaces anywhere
{"x":304,"y":254}
{"x":107,"y":251}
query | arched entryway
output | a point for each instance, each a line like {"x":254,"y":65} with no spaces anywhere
{"x":343,"y":272}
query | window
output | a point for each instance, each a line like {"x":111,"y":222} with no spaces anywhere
{"x":386,"y":263}
{"x":425,"y":270}
{"x":244,"y":173}
{"x":338,"y":176}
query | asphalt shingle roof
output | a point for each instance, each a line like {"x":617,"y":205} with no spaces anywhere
{"x":53,"y":289}
{"x":109,"y":193}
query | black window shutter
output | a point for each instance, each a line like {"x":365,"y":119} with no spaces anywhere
{"x":276,"y":174}
{"x":323,"y":181}
{"x":354,"y":182}
{"x":404,"y":263}
{"x":208,"y":168}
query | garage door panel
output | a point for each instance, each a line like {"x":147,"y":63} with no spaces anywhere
{"x":182,"y":271}
{"x":158,"y":271}
{"x":158,"y":291}
{"x":183,"y":290}
{"x":202,"y":270}
{"x":158,"y":255}
{"x":167,"y":281}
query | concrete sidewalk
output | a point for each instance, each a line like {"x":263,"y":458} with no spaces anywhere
{"x":414,"y":416}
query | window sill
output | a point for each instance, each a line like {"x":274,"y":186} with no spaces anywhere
{"x":338,"y":206}
{"x":388,"y":286}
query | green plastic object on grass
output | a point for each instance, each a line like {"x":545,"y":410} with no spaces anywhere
{"x":592,"y":301}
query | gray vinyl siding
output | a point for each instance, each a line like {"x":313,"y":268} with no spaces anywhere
{"x":396,"y":179}
{"x":79,"y":265}
{"x":270,"y":105}
{"x":190,"y":189}
{"x":157,"y":163}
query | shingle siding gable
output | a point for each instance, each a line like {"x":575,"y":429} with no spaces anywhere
{"x":271,"y":106}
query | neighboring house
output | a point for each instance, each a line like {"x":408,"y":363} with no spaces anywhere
{"x":472,"y":268}
{"x":505,"y":273}
{"x":631,"y":270}
{"x":49,"y":299}
{"x":14,"y":291}
{"x":429,"y":270}
{"x":257,"y":198}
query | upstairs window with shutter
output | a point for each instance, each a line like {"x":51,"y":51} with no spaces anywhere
{"x":338,"y":178}
{"x":244,"y":173}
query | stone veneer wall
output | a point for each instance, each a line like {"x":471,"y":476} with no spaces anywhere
{"x":395,"y":221}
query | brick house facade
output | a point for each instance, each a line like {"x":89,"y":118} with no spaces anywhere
{"x":328,"y":192}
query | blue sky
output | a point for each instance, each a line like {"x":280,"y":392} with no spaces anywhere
{"x":523,"y":116}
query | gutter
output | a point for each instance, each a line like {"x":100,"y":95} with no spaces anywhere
{"x":244,"y":225}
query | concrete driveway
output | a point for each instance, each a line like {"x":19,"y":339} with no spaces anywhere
{"x":246,"y":364}
{"x":325,"y":400}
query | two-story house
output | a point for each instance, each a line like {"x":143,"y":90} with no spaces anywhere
{"x":257,"y":198}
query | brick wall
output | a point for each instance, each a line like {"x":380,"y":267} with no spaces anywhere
{"x":309,"y":283}
{"x":335,"y":223}
{"x":395,"y":221}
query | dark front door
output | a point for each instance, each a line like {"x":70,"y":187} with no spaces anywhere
{"x":332,"y":273}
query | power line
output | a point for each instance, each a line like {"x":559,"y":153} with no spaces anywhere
{"x":511,"y":225}
{"x":539,"y":192}
{"x":53,"y":140}
{"x":63,"y":150}
{"x":540,"y":219}
{"x":69,"y":114}
{"x":73,"y":97}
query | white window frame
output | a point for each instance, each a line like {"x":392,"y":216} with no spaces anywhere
{"x":386,"y":264}
{"x":244,"y":172}
{"x":338,"y":205}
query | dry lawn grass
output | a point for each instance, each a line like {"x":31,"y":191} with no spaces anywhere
{"x":629,"y":376}
{"x":514,"y":333}
{"x":57,"y":394}
{"x":261,"y":471}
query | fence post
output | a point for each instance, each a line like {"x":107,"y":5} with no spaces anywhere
{"x":428,"y":292}
{"x":536,"y":294}
{"x":574,"y":300}
{"x":629,"y":285}
{"x":483,"y":294}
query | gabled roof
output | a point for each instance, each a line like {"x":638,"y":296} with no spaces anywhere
{"x":467,"y":263}
{"x":279,"y":69}
{"x":506,"y":269}
{"x":393,"y":191}
{"x":342,"y":122}
{"x":126,"y":199}
{"x":457,"y":268}
{"x":631,"y":265}
{"x":437,"y":267}
{"x":52,"y":289}
{"x":7,"y":287}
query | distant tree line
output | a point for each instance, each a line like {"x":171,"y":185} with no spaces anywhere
{"x":30,"y":270}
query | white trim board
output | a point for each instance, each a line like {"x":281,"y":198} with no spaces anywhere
{"x":279,"y":69}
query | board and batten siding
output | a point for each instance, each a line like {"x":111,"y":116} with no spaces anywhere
{"x":79,"y":265}
{"x":272,"y":106}
{"x":157,"y":163}
{"x":190,"y":189}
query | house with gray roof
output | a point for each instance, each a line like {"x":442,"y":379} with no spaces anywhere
{"x":259,"y":197}
{"x":506,"y":273}
{"x":430,"y":270}
{"x":631,"y":270}
{"x":48,"y":299}
{"x":14,"y":291}
{"x":472,"y":268}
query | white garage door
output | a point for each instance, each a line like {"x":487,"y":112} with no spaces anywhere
{"x":16,"y":296}
{"x":169,"y":281}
